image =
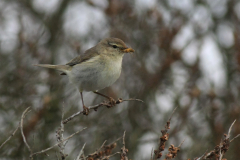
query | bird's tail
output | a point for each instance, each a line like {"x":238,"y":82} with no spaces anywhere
{"x":63,"y":68}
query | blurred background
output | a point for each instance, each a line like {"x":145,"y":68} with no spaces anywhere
{"x":187,"y":55}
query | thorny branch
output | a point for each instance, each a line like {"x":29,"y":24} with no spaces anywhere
{"x":95,"y":108}
{"x":163,"y":139}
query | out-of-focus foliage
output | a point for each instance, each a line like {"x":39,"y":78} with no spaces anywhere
{"x":187,"y":55}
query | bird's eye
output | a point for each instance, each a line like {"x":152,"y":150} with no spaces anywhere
{"x":114,"y":46}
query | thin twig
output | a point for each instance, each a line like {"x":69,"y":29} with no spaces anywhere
{"x":181,"y":143}
{"x":10,"y":136}
{"x":97,"y":151}
{"x":81,"y":152}
{"x":60,"y":136}
{"x":102,"y":146}
{"x":116,"y":140}
{"x":104,"y":151}
{"x":151,"y":154}
{"x":114,"y":154}
{"x":95,"y":108}
{"x":230,"y":129}
{"x":45,"y":150}
{"x":235,"y":137}
{"x":21,"y":127}
{"x":132,"y":99}
{"x":107,"y":157}
{"x":124,"y":150}
{"x":124,"y":138}
{"x":172,"y":113}
{"x":56,"y":155}
{"x":200,"y":158}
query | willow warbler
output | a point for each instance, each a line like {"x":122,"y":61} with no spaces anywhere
{"x":99,"y":67}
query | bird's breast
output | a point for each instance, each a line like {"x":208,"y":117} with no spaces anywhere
{"x":111,"y":72}
{"x":97,"y":73}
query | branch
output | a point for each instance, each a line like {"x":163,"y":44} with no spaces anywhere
{"x":163,"y":139}
{"x":124,"y":150}
{"x":59,"y":135}
{"x":95,"y":108}
{"x":200,"y":158}
{"x":151,"y":155}
{"x":222,"y":148}
{"x":173,"y":151}
{"x":235,"y":137}
{"x":21,"y":127}
{"x":107,"y":157}
{"x":104,"y":152}
{"x":10,"y":136}
{"x":81,"y":152}
{"x":45,"y":150}
{"x":230,"y":129}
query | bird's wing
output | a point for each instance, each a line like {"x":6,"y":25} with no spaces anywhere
{"x":90,"y":53}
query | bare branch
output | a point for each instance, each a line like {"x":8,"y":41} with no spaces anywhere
{"x":116,"y":140}
{"x":107,"y":157}
{"x":151,"y":154}
{"x":95,"y":108}
{"x":172,"y":113}
{"x":21,"y":127}
{"x":56,"y":155}
{"x":102,"y":145}
{"x":10,"y":136}
{"x":114,"y":154}
{"x":124,"y":150}
{"x":132,"y":99}
{"x":235,"y":137}
{"x":45,"y":150}
{"x":81,"y":152}
{"x":181,"y":143}
{"x":230,"y":129}
{"x":200,"y":158}
{"x":59,"y":135}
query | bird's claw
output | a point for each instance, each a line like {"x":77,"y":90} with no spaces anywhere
{"x":112,"y":102}
{"x":85,"y":110}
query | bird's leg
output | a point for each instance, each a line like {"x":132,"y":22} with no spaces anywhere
{"x":112,"y":101}
{"x":85,"y":109}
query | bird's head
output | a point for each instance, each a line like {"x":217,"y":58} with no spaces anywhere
{"x":113,"y":46}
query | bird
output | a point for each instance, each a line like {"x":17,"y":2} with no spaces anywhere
{"x":98,"y":68}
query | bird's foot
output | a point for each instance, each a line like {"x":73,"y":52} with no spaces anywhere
{"x":85,"y":110}
{"x":111,"y":102}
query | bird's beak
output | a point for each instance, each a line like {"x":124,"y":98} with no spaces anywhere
{"x":128,"y":50}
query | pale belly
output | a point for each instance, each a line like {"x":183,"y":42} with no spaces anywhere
{"x":95,"y":76}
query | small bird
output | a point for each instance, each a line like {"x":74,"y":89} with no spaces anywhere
{"x":99,"y":67}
